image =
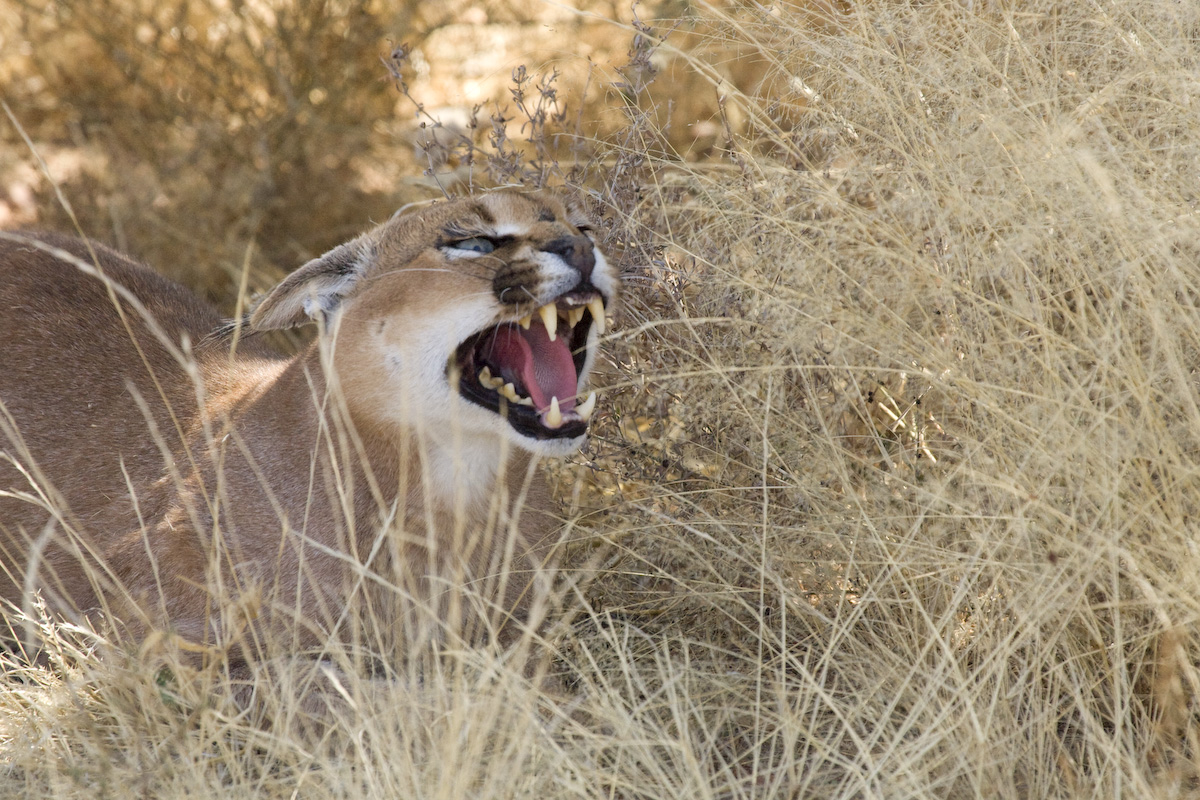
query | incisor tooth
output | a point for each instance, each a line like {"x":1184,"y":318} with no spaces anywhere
{"x":485,"y":378}
{"x":596,"y":306}
{"x":549,"y":315}
{"x":554,"y":417}
{"x":584,"y":409}
{"x":573,"y":316}
{"x":525,"y":321}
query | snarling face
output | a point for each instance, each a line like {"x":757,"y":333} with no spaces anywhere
{"x":477,"y":315}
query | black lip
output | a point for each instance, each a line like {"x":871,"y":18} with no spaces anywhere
{"x":524,"y":419}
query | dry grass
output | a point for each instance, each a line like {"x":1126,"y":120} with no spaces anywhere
{"x":896,"y":488}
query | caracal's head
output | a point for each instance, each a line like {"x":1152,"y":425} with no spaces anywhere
{"x":476,"y":316}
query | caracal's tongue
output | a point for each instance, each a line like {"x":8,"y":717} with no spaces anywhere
{"x":545,"y":368}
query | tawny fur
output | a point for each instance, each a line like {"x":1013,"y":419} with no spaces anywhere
{"x":236,"y":498}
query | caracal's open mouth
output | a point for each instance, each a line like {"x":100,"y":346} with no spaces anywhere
{"x":527,"y":370}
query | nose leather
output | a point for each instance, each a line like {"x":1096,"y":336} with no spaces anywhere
{"x":576,"y":251}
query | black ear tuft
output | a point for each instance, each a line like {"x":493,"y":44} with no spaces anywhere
{"x":315,"y":289}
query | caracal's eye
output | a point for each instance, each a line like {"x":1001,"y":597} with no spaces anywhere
{"x":476,"y":244}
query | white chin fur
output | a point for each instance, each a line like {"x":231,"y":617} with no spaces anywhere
{"x":471,"y":420}
{"x":554,"y":448}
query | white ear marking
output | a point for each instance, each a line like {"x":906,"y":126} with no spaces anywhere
{"x":315,"y":289}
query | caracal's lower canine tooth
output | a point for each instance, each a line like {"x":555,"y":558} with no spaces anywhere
{"x":596,"y":306}
{"x":525,"y":321}
{"x":574,"y":315}
{"x":584,"y":409}
{"x":549,"y":315}
{"x":554,"y":418}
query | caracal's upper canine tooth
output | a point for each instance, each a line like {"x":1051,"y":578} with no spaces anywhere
{"x":549,"y":315}
{"x":584,"y":409}
{"x":554,"y":417}
{"x":596,"y":306}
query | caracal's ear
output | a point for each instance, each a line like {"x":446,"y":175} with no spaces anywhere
{"x":313,"y":291}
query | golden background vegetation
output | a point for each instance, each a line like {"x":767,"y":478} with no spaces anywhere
{"x":893,"y":490}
